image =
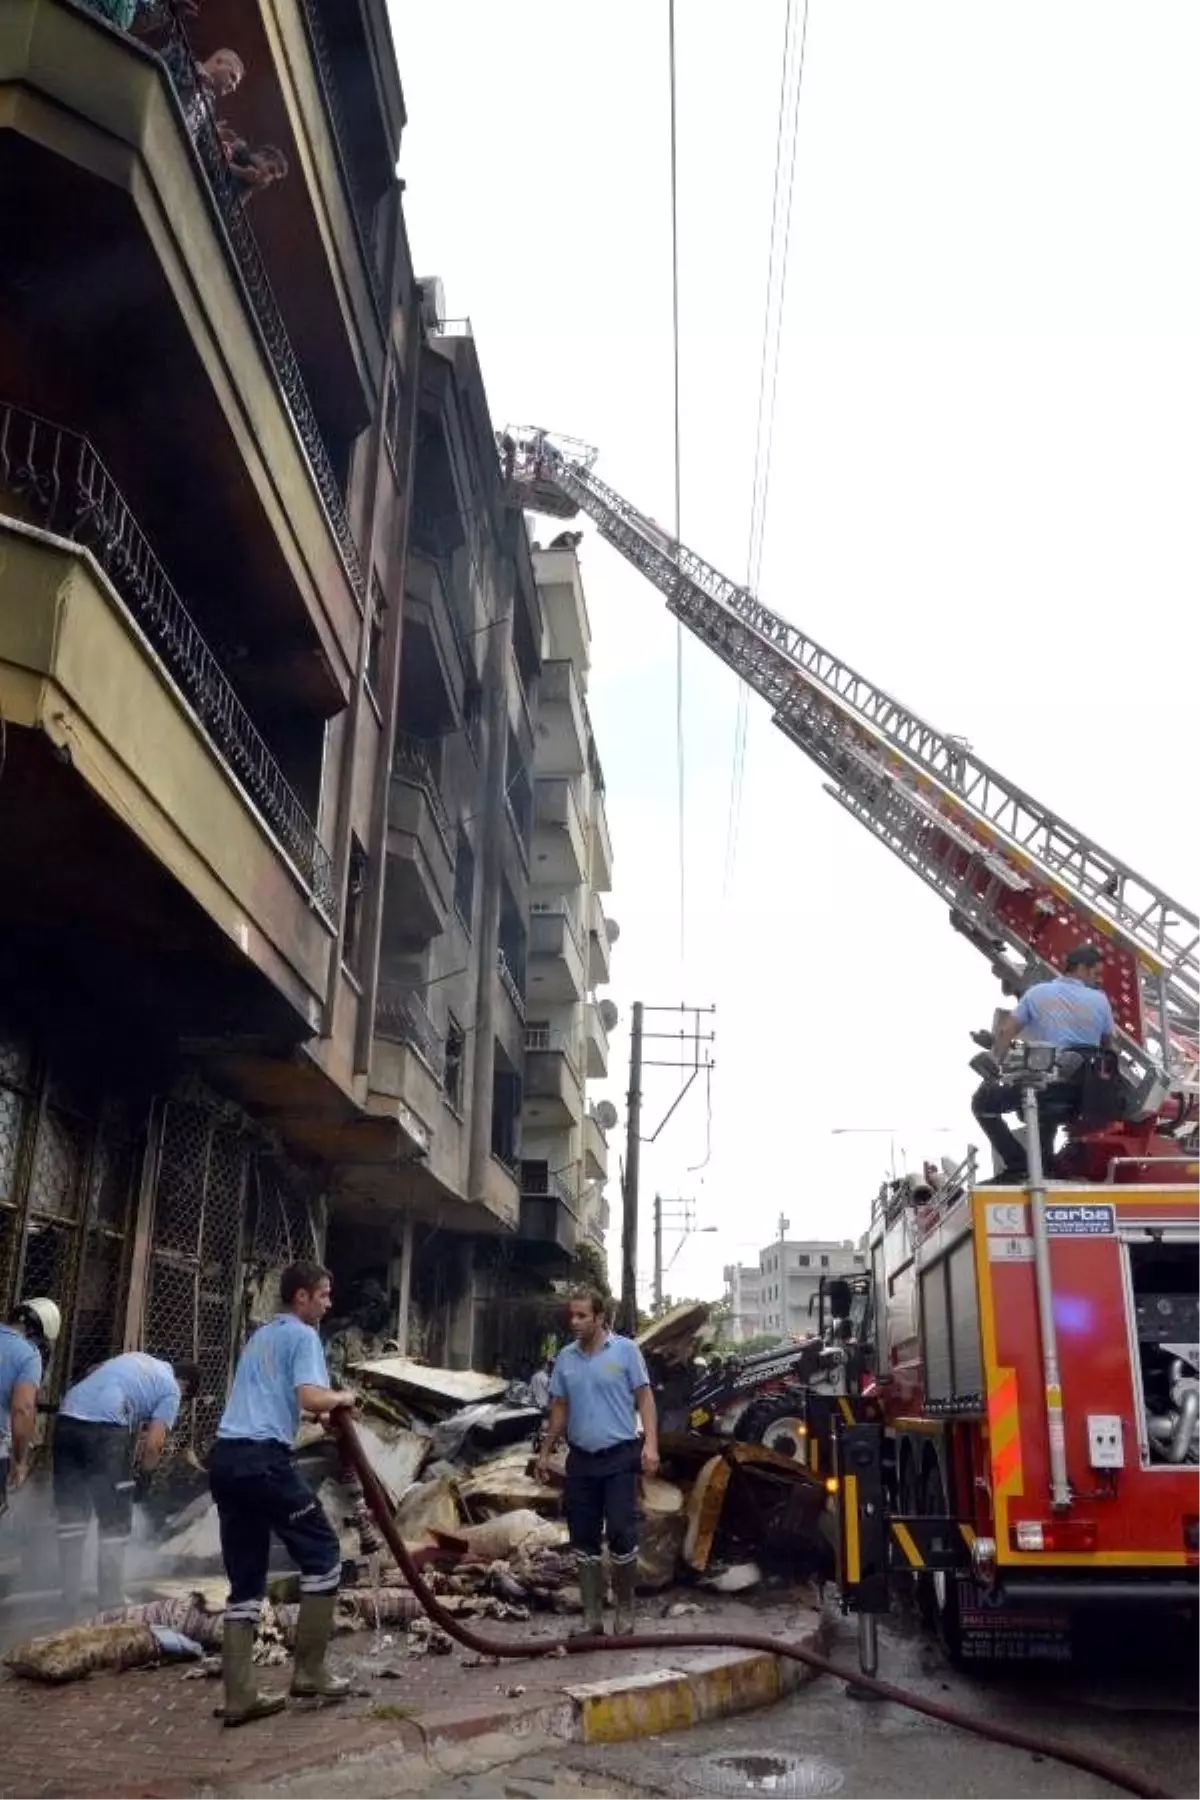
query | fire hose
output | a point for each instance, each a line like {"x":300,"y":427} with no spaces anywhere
{"x":373,"y":1492}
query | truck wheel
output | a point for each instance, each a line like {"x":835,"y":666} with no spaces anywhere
{"x":940,"y":1587}
{"x":777,"y":1424}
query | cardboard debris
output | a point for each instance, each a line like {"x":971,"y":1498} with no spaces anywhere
{"x":428,"y":1507}
{"x":503,"y":1486}
{"x":439,"y":1391}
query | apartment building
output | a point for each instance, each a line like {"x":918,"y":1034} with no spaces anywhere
{"x":564,"y":1147}
{"x":743,"y":1297}
{"x":448,"y":1053}
{"x":270,"y":641}
{"x":791,"y":1271}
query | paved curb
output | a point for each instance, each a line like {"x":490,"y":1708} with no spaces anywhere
{"x":714,"y":1684}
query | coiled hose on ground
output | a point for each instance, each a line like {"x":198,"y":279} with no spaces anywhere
{"x":377,"y":1501}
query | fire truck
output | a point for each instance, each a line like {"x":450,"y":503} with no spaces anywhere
{"x":1012,"y":1431}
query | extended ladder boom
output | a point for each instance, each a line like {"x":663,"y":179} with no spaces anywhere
{"x":1020,"y":882}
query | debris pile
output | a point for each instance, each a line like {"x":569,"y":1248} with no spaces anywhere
{"x":454,"y":1452}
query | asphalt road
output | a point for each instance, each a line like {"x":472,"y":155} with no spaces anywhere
{"x":1142,"y":1715}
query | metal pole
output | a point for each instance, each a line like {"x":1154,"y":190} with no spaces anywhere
{"x":629,"y":1197}
{"x":1060,"y":1487}
{"x":868,"y":1643}
{"x":658,"y":1263}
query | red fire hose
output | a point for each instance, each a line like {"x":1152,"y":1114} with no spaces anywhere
{"x":377,"y":1501}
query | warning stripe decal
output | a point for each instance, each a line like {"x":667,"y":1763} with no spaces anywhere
{"x":1004,"y":1434}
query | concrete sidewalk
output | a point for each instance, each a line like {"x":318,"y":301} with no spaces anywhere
{"x":153,"y":1734}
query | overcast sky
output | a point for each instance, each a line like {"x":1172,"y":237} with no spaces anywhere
{"x":984,"y":491}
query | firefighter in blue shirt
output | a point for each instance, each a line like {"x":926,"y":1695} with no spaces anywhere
{"x":26,"y":1343}
{"x":259,"y":1490}
{"x":111,"y":1430}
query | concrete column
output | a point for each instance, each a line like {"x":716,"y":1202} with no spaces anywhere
{"x":493,"y":824}
{"x":460,"y":1338}
{"x":405,"y":1282}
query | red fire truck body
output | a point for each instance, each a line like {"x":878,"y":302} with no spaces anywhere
{"x":959,"y":1383}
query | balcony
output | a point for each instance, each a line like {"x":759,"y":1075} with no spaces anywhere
{"x":548,"y":1210}
{"x":599,"y":945}
{"x":596,"y":1039}
{"x":556,"y":960}
{"x":98,"y":135}
{"x":602,"y":862}
{"x":564,"y":609}
{"x":559,"y":845}
{"x":510,"y":984}
{"x":440,"y":641}
{"x":561,"y":730}
{"x":595,"y":1150}
{"x":421,"y":867}
{"x":134,"y":776}
{"x":553,"y":1090}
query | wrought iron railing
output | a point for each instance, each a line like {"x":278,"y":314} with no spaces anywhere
{"x":67,"y":488}
{"x":508,"y":982}
{"x":411,"y":761}
{"x":541,"y":1183}
{"x":229,"y":197}
{"x":361,"y":209}
{"x":401,"y":1014}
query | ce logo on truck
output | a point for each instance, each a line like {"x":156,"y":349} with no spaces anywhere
{"x":1005,"y":1218}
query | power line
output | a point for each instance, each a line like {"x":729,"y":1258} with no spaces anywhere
{"x":675,"y":347}
{"x":765,"y":432}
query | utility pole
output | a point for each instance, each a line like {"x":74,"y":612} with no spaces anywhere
{"x":785,"y":1225}
{"x":699,"y":1061}
{"x":629,"y":1192}
{"x":688,"y":1225}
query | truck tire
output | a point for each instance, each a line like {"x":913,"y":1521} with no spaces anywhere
{"x":939,"y":1591}
{"x":777,"y":1423}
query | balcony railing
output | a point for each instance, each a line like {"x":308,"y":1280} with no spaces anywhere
{"x":411,"y":761}
{"x":543,"y":943}
{"x":401,"y":1014}
{"x":61,"y":479}
{"x":201,"y":120}
{"x":540,"y":1182}
{"x":544,"y":1039}
{"x":508,"y":982}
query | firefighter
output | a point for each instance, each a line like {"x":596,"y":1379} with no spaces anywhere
{"x":111,"y":1430}
{"x":258,"y":1489}
{"x":1072,"y":1013}
{"x":600,"y":1394}
{"x":25,"y":1346}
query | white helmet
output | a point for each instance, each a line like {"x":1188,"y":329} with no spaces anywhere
{"x":47,"y":1317}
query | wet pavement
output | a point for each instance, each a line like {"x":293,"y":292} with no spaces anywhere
{"x":821,"y":1742}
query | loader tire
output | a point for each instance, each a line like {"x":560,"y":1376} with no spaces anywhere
{"x":776,"y":1424}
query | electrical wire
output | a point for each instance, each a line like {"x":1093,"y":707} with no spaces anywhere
{"x":776,"y":289}
{"x":679,"y":734}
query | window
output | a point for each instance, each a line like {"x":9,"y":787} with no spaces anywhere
{"x":860,"y":1261}
{"x":356,"y":887}
{"x":804,"y":1261}
{"x":824,"y":1262}
{"x":375,"y":628}
{"x":452,"y":1077}
{"x":464,"y":880}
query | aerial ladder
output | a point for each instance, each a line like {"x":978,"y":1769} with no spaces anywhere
{"x":1021,"y":884}
{"x":1006,"y":1465}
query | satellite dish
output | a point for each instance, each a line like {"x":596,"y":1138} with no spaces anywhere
{"x":605,"y":1115}
{"x":612,"y":930}
{"x":608,"y":1014}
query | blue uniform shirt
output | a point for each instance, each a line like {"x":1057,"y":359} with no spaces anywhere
{"x":599,"y":1391}
{"x":130,"y":1390}
{"x":1065,"y":1011}
{"x":282,"y":1355}
{"x":19,"y":1361}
